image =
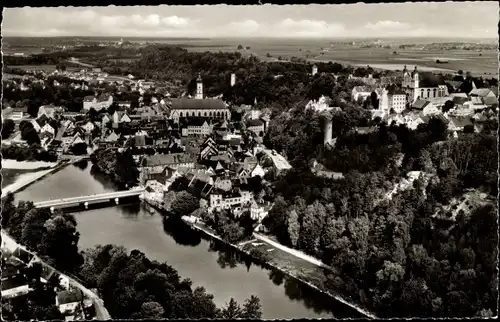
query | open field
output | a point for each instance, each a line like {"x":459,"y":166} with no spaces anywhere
{"x":478,"y":63}
{"x":46,"y":68}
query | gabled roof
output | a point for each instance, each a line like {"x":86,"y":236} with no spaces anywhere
{"x":165,"y":159}
{"x":419,"y":104}
{"x":481,"y":92}
{"x":461,"y":121}
{"x":489,"y":100}
{"x":428,"y":79}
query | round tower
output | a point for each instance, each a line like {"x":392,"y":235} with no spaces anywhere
{"x":327,"y":129}
{"x":233,"y":79}
{"x":314,"y":69}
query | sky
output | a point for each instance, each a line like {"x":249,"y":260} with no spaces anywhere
{"x":445,"y":19}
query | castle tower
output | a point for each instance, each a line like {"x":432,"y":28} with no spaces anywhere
{"x":314,"y":70}
{"x":328,"y":129}
{"x":384,"y":100}
{"x":233,"y":79}
{"x":199,"y":88}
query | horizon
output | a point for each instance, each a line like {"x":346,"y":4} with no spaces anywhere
{"x":342,"y":21}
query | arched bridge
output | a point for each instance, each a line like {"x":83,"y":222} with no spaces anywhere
{"x":91,"y":199}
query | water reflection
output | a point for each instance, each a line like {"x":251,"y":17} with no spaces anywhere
{"x":293,"y":288}
{"x":181,"y":232}
{"x":276,"y":276}
{"x":102,"y":179}
{"x":82,"y":164}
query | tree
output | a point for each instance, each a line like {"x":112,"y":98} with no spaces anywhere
{"x":252,"y":308}
{"x":469,"y":128}
{"x":8,"y":128}
{"x":152,"y":310}
{"x":30,"y":135}
{"x":232,"y":310}
{"x":448,"y":105}
{"x":240,"y":47}
{"x":293,"y":227}
{"x":184,"y":204}
{"x":79,"y":148}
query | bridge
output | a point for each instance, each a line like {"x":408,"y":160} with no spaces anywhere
{"x":88,"y":200}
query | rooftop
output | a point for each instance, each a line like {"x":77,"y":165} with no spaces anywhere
{"x":198,"y":104}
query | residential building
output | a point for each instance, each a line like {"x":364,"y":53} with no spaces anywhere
{"x":235,"y":200}
{"x":256,"y":126}
{"x":425,"y":107}
{"x":97,"y":103}
{"x":197,"y":126}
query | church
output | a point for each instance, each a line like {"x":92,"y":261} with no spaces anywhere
{"x":199,"y":106}
{"x":423,"y":86}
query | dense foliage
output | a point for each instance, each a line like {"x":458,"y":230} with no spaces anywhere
{"x":229,"y":227}
{"x":8,"y":127}
{"x":119,"y":165}
{"x":391,"y":254}
{"x":25,"y":153}
{"x":134,"y":287}
{"x":53,"y":236}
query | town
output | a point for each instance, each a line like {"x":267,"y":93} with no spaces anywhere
{"x":199,"y":178}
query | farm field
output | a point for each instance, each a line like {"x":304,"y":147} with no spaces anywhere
{"x":484,"y":63}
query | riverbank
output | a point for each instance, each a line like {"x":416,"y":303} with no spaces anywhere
{"x":311,"y":274}
{"x":27,"y":165}
{"x":26,"y":179}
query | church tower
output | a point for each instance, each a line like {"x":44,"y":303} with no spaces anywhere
{"x":199,"y":88}
{"x":415,"y":78}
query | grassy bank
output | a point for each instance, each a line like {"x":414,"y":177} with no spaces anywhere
{"x":292,"y":266}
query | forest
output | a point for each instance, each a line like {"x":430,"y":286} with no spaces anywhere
{"x":392,"y":255}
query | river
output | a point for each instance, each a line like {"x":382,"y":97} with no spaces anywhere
{"x":222,"y":272}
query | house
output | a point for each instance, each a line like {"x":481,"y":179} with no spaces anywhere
{"x":112,"y":137}
{"x":197,"y":126}
{"x":97,"y":103}
{"x":124,"y":104}
{"x":256,"y":126}
{"x":15,"y":113}
{"x":425,"y":107}
{"x":46,"y":110}
{"x":361,"y":92}
{"x":173,"y":160}
{"x":258,"y":171}
{"x":120,"y":117}
{"x":234,"y":200}
{"x":68,"y":301}
{"x":458,"y":123}
{"x":47,"y":129}
{"x":106,"y":119}
{"x":223,"y":183}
